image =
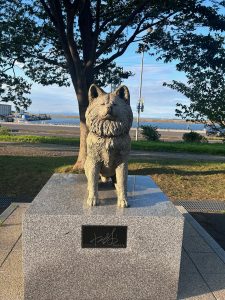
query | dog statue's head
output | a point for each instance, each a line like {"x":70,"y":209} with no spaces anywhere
{"x":110,"y":114}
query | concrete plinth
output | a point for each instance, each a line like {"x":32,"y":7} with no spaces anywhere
{"x":57,"y":267}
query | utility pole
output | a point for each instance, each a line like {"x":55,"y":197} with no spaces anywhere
{"x":140,"y":104}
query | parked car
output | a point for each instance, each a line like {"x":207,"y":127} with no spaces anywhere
{"x":8,"y":118}
{"x":214,"y":130}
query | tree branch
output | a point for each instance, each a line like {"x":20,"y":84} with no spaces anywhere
{"x":48,"y":11}
{"x":68,"y":5}
{"x":11,"y":66}
{"x":96,"y":33}
{"x":106,"y":21}
{"x":72,"y":8}
{"x":113,"y":12}
{"x":108,"y":17}
{"x":87,"y":36}
{"x":121,"y":51}
{"x":131,"y":40}
{"x":14,"y":72}
{"x":67,"y":40}
{"x":71,"y":42}
{"x":155,"y":23}
{"x":141,"y":30}
{"x":97,"y":21}
{"x":75,"y":5}
{"x":49,"y":60}
{"x":121,"y":28}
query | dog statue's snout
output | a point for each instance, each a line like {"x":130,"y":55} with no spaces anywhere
{"x":109,"y":110}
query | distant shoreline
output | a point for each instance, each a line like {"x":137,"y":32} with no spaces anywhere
{"x":141,"y":119}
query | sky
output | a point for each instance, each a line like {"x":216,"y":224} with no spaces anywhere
{"x":159,"y":101}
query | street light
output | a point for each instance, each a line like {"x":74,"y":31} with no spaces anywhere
{"x":140,"y":104}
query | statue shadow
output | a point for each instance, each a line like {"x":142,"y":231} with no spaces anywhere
{"x":139,"y":194}
{"x":107,"y":194}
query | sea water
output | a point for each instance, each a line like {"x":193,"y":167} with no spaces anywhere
{"x":160,"y":125}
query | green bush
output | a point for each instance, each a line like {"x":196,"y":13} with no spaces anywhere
{"x":150,"y":133}
{"x":4,"y":131}
{"x":194,"y":137}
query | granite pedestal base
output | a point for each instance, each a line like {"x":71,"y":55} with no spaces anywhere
{"x":56,"y":267}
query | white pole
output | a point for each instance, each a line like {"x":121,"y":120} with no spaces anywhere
{"x":140,"y":94}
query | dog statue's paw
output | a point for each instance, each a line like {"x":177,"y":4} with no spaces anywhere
{"x":122,"y":203}
{"x":92,"y":201}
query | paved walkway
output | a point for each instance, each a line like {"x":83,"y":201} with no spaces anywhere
{"x":202,"y":273}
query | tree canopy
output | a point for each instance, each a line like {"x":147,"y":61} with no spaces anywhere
{"x":199,"y":51}
{"x":78,"y":41}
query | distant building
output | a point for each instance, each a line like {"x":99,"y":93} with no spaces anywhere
{"x":5,"y":109}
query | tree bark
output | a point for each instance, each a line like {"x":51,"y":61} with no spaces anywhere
{"x":79,"y":165}
{"x":82,"y":87}
{"x":81,"y":72}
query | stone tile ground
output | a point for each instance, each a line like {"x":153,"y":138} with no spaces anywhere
{"x":202,"y":272}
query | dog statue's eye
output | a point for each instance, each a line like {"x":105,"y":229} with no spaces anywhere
{"x":102,"y":104}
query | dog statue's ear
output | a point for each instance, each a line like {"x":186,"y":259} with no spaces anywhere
{"x":94,"y":92}
{"x":123,"y":92}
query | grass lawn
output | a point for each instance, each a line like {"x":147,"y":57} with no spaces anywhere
{"x":179,"y":179}
{"x":25,"y":176}
{"x":35,"y":139}
{"x":200,"y":148}
{"x":184,"y":179}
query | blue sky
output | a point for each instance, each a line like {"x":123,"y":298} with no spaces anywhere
{"x":160,"y":102}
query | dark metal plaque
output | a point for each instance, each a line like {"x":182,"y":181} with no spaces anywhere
{"x":99,"y":236}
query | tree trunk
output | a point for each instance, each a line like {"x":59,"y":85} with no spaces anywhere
{"x":81,"y":72}
{"x":82,"y":87}
{"x":79,"y":165}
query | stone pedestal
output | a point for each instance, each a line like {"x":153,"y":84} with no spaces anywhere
{"x":57,"y":267}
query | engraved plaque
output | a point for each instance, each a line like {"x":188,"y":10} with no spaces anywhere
{"x":102,"y":236}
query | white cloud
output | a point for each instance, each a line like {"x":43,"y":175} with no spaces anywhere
{"x":19,"y":64}
{"x":159,"y":101}
{"x":53,"y":99}
{"x":150,"y":68}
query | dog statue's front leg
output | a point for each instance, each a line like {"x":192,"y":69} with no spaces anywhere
{"x":121,"y":184}
{"x":92,"y":170}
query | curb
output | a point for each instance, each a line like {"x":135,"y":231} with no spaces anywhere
{"x":8,"y":211}
{"x":204,"y":234}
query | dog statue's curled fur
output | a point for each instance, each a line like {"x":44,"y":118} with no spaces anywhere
{"x":109,"y":118}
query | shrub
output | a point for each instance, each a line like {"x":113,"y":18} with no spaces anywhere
{"x":4,"y":131}
{"x":194,"y":137}
{"x":150,"y":133}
